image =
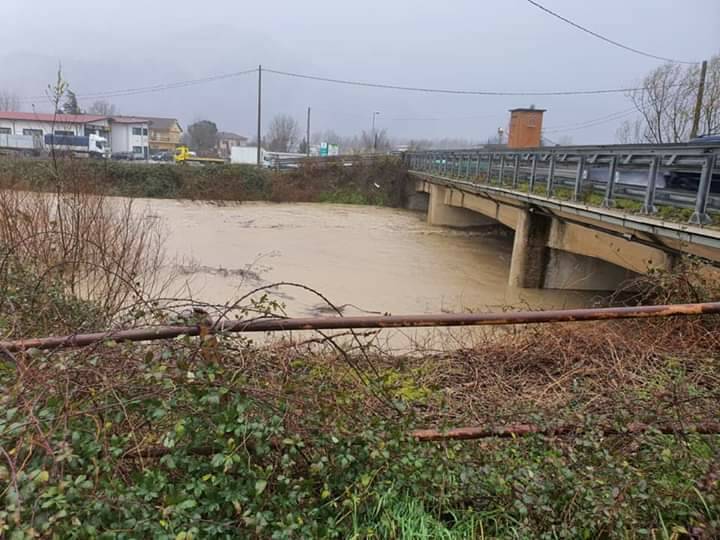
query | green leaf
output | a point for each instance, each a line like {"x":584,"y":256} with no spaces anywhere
{"x":260,"y":486}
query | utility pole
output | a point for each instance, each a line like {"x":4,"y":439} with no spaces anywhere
{"x":698,"y":103}
{"x":307,"y":135}
{"x":259,"y":117}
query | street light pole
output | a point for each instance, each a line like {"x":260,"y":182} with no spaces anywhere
{"x":259,"y":117}
{"x":307,"y":135}
{"x":374,"y":134}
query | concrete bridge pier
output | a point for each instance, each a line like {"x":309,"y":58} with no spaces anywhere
{"x":441,"y":212}
{"x":537,"y":264}
{"x":530,"y":252}
{"x":550,"y":250}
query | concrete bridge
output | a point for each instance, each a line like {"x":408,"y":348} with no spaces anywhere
{"x":563,"y":237}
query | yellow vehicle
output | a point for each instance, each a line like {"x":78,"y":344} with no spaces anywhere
{"x":184,"y":155}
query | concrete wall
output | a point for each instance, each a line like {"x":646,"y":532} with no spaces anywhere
{"x":122,"y":138}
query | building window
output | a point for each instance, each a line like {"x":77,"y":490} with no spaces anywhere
{"x":33,"y":132}
{"x":137,"y":131}
{"x":145,"y":131}
{"x":5,"y":131}
{"x":137,"y":149}
{"x":64,"y":132}
{"x":532,"y":121}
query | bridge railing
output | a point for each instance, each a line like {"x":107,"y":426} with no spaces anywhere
{"x":639,"y":177}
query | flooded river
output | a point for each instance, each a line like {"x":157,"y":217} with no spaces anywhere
{"x":366,"y":259}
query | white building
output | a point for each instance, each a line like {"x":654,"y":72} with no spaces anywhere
{"x":125,"y":134}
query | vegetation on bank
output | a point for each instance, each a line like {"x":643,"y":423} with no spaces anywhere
{"x":380,"y":183}
{"x":218,"y":437}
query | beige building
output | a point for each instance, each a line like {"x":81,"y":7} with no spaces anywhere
{"x":226,"y":140}
{"x":165,"y":134}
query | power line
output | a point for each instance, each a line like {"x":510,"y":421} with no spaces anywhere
{"x":582,"y":123}
{"x":450,"y":91}
{"x":606,"y":39}
{"x":153,"y":88}
{"x":592,"y":123}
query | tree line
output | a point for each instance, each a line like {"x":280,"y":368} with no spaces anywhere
{"x":666,"y":101}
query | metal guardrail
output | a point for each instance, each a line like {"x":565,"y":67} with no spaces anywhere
{"x":690,"y":169}
{"x":346,"y":160}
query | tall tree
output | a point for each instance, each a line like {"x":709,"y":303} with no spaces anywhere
{"x":70,"y":106}
{"x":9,"y":101}
{"x":283,"y":133}
{"x":203,"y":136}
{"x":102,"y":107}
{"x":666,"y":103}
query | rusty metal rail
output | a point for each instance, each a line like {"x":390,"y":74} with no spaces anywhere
{"x":367,"y":322}
{"x":522,"y":430}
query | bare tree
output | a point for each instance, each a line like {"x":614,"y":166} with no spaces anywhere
{"x":378,"y":141}
{"x":630,"y":132}
{"x":283,"y":133}
{"x":666,"y":103}
{"x":102,"y":107}
{"x":9,"y":101}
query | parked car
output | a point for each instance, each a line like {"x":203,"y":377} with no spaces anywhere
{"x":162,"y":156}
{"x":122,"y":156}
{"x":709,"y":138}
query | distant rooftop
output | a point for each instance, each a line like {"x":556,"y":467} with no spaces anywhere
{"x":231,"y":135}
{"x":527,"y":109}
{"x":69,"y":118}
{"x":50,"y":117}
{"x":163,"y":123}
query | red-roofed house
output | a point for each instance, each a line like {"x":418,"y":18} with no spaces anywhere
{"x":124,"y":133}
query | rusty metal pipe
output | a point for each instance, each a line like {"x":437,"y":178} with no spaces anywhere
{"x":521,"y":430}
{"x":387,"y":321}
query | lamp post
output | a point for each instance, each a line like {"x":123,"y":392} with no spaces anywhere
{"x":374,"y":134}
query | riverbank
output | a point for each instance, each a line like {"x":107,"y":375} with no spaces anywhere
{"x":380,"y":182}
{"x":214,"y":436}
{"x":217,"y":436}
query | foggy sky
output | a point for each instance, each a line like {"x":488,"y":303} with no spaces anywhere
{"x":465,"y":44}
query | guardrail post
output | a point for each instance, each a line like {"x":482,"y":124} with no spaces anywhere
{"x":490,"y":166}
{"x":700,"y":215}
{"x":609,"y":200}
{"x":551,"y":175}
{"x":516,"y":171}
{"x":648,"y":206}
{"x":533,"y":173}
{"x":578,"y":178}
{"x":502,"y":169}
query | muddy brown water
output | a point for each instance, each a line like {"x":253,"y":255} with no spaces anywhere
{"x":363,"y":259}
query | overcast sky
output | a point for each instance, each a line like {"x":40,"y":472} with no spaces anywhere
{"x":465,"y":44}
